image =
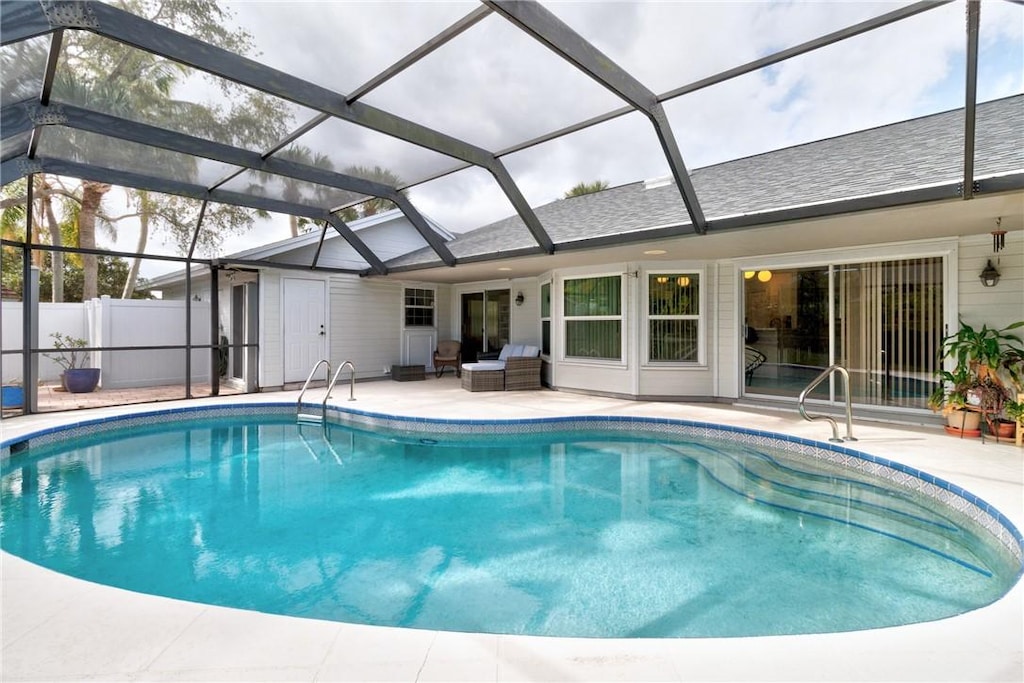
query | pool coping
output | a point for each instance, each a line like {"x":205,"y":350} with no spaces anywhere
{"x":980,"y":645}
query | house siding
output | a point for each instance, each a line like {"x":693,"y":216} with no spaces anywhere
{"x":996,"y":306}
{"x":727,"y":323}
{"x":366,"y":317}
{"x":271,"y":373}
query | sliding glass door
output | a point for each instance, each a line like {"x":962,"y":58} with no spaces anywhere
{"x":888,"y":328}
{"x":882,"y":321}
{"x":485,"y":322}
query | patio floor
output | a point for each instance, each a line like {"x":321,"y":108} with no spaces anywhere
{"x":60,"y":628}
{"x":53,"y":398}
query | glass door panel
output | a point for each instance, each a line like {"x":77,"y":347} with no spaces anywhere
{"x":485,"y":322}
{"x":472,"y":326}
{"x":788,"y":312}
{"x":888,"y":329}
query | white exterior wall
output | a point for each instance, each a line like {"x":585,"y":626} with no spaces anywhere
{"x":726,"y":335}
{"x":271,"y":364}
{"x":996,"y":306}
{"x":366,"y":317}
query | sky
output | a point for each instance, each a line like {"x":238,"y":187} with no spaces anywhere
{"x":495,"y":87}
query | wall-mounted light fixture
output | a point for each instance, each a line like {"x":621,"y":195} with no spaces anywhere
{"x":520,"y":299}
{"x":990,"y":276}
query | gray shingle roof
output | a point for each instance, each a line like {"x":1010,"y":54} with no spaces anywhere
{"x":920,"y":152}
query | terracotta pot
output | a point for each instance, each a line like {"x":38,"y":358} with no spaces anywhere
{"x":1006,"y":430}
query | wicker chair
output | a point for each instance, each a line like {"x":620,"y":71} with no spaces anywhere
{"x":448,"y":355}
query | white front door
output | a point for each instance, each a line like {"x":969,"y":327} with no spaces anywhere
{"x":305,"y":331}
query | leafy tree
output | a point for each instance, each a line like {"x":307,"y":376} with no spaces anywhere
{"x":47,"y":190}
{"x":98,"y":73}
{"x":111,"y":273}
{"x":580,"y":189}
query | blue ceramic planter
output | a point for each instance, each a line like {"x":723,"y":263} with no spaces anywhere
{"x":81,"y":380}
{"x":12,"y":397}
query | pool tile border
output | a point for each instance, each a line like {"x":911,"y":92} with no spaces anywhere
{"x":976,"y":509}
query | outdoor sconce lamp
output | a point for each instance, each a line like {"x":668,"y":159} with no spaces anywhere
{"x":989,"y":276}
{"x":520,"y":299}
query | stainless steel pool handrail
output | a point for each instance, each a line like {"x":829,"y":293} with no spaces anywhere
{"x":307,"y":417}
{"x":827,"y":372}
{"x":351,"y":383}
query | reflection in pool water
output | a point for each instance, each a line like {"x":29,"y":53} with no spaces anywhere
{"x":594,"y":533}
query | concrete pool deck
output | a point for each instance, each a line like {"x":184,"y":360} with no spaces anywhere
{"x":57,"y":628}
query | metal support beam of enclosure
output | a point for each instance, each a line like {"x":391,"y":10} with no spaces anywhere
{"x":540,"y":23}
{"x":124,"y":27}
{"x":971,"y":94}
{"x":21,"y":115}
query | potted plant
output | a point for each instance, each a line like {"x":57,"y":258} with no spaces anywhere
{"x":974,"y":387}
{"x":1015,"y":411}
{"x":76,"y":378}
{"x":953,"y":396}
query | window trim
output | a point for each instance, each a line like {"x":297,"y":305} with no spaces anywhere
{"x":432,"y":307}
{"x":549,"y":318}
{"x":645,"y":318}
{"x":622,"y":318}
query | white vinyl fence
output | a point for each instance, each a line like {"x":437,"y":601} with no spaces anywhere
{"x":114,"y":322}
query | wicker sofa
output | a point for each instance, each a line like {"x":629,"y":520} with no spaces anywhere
{"x":518,"y":367}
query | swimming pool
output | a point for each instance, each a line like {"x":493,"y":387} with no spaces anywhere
{"x":616,"y":521}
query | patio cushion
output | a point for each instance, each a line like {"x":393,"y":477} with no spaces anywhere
{"x":484,"y":365}
{"x":530,"y":351}
{"x":506,"y":351}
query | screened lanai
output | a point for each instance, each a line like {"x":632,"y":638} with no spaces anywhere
{"x":159,"y":137}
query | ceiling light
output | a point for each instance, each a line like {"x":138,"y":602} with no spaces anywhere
{"x":764,"y":275}
{"x":748,"y":275}
{"x":655,"y":252}
{"x":504,"y":268}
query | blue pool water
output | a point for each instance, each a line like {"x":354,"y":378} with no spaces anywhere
{"x":563,"y":533}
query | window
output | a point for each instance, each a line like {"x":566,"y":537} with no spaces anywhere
{"x":545,"y":319}
{"x":593,"y":317}
{"x":673,"y":317}
{"x":419,"y":307}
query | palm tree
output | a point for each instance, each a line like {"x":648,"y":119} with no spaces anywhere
{"x":293,"y":188}
{"x":100,"y":74}
{"x":580,"y":189}
{"x":374,"y":205}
